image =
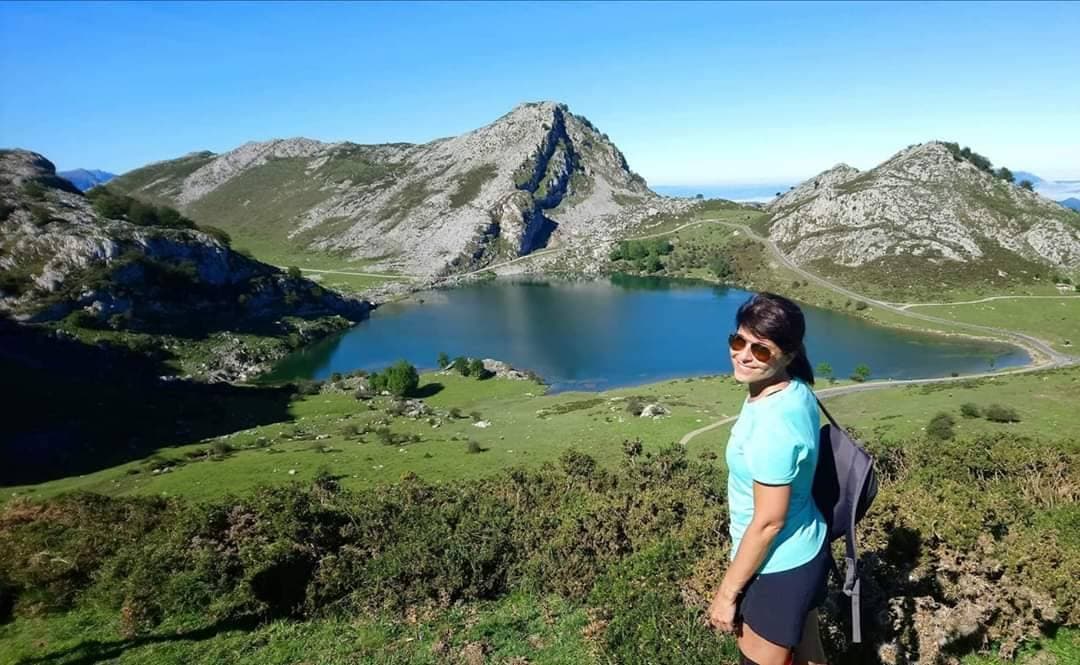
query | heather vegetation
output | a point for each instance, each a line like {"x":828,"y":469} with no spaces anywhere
{"x":635,"y":549}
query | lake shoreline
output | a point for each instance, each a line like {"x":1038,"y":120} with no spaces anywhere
{"x":417,"y":294}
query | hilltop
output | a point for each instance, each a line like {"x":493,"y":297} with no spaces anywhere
{"x":539,"y":176}
{"x":925,"y":218}
{"x":112,"y":268}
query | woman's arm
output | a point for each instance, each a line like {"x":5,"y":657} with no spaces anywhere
{"x":770,"y":509}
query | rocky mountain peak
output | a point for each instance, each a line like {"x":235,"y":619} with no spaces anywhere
{"x":535,"y":177}
{"x":929,"y":202}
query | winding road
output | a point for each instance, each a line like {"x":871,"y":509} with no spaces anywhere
{"x":1046,"y":356}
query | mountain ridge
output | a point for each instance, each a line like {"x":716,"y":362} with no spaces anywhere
{"x":86,"y":179}
{"x":538,"y":176}
{"x":923,"y":206}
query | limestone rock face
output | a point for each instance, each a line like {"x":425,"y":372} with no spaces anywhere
{"x":922,"y":202}
{"x":58,"y":254}
{"x":537,"y":177}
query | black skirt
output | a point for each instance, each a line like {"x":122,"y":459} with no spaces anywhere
{"x":775,"y":605}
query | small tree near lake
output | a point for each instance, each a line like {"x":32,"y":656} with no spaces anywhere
{"x":861,"y":373}
{"x":400,"y":379}
{"x":824,"y":370}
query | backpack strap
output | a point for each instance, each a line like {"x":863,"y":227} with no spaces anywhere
{"x":852,"y":584}
{"x":827,"y":414}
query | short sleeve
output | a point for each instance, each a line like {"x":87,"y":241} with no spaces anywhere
{"x":775,"y":450}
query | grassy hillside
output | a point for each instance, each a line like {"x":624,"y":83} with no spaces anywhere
{"x":497,"y":557}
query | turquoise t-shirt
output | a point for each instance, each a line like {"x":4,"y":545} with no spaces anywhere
{"x":775,"y":442}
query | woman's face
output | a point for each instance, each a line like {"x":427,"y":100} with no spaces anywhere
{"x":748,"y":369}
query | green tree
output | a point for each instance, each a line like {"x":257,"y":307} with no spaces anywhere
{"x":461,"y":365}
{"x":824,"y":370}
{"x":1005,"y":174}
{"x":861,"y":373}
{"x":720,"y":266}
{"x":652,"y":263}
{"x":1028,"y":185}
{"x":443,"y":360}
{"x":476,"y":368}
{"x":142,"y":214}
{"x":109,"y":206}
{"x":401,"y":379}
{"x":293,"y":272}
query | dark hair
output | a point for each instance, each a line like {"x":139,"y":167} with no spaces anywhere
{"x":780,"y":321}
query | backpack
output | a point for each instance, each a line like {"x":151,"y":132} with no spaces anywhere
{"x":844,"y":487}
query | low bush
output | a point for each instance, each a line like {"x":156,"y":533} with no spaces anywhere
{"x":970,"y":410}
{"x":1001,"y":414}
{"x":941,"y":427}
{"x":971,"y":545}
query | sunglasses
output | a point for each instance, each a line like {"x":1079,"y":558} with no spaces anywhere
{"x":760,"y":352}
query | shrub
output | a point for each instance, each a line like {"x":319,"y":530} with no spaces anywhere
{"x":1001,"y":414}
{"x":455,"y":413}
{"x":473,"y":447}
{"x":824,"y":370}
{"x":443,"y":360}
{"x":860,"y":306}
{"x":476,"y":368}
{"x":293,"y":272}
{"x":220,"y":235}
{"x":940,"y":427}
{"x":33,"y":190}
{"x":634,"y":406}
{"x":400,"y":379}
{"x":308,"y":387}
{"x":861,"y":373}
{"x":221,"y":448}
{"x":970,"y":410}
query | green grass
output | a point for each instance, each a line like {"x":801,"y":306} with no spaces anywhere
{"x":349,"y":283}
{"x":1046,"y":402}
{"x":1055,"y":320}
{"x":527,"y":428}
{"x":160,"y":183}
{"x":1063,"y":648}
{"x":542,"y":629}
{"x":470,"y":183}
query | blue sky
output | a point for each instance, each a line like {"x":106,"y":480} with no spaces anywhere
{"x":693,"y":93}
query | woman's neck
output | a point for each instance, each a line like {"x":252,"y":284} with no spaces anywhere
{"x":766,"y":387}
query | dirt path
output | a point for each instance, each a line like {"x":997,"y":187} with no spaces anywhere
{"x":1045,"y":358}
{"x":974,"y":302}
{"x":357,"y":274}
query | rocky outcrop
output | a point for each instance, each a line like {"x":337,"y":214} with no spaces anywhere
{"x":58,"y":255}
{"x":924,"y":202}
{"x":537,"y":177}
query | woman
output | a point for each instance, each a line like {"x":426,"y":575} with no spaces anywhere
{"x":780,"y":554}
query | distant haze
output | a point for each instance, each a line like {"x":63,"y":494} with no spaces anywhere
{"x":734,"y":192}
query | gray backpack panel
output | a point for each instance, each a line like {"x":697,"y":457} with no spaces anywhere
{"x":844,"y":487}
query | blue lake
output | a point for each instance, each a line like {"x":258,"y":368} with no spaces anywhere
{"x":600,"y":334}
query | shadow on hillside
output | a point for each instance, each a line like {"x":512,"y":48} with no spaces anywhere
{"x":428,"y":390}
{"x":72,"y":408}
{"x":96,"y":651}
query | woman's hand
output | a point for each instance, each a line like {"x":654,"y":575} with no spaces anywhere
{"x":722,"y":611}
